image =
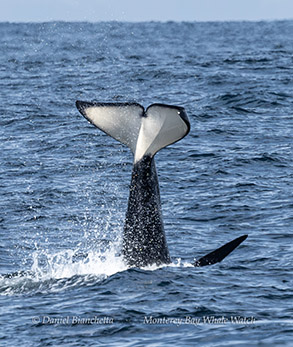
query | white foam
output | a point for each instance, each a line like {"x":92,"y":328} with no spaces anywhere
{"x":56,"y":271}
{"x":65,"y":264}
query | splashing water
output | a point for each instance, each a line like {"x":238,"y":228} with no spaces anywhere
{"x":56,"y":271}
{"x":69,"y":263}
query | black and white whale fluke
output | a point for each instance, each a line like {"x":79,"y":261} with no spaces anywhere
{"x":145,"y":132}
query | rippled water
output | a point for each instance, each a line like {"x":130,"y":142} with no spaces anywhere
{"x":64,"y":185}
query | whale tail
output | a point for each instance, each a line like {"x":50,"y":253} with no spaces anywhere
{"x":145,"y":132}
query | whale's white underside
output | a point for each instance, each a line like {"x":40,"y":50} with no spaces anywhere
{"x":144,"y":132}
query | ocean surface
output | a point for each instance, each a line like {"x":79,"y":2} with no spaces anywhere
{"x":64,"y":185}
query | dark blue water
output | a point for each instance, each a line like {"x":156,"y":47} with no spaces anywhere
{"x":64,"y":185}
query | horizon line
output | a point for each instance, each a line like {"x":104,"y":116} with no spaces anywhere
{"x":145,"y":21}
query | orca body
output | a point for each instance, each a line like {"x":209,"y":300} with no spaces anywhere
{"x":144,"y":240}
{"x":145,"y":132}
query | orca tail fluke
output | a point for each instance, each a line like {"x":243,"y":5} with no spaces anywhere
{"x":220,"y":253}
{"x":121,"y":121}
{"x":145,"y":132}
{"x":161,"y":126}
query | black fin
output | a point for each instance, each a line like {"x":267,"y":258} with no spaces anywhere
{"x":220,"y":253}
